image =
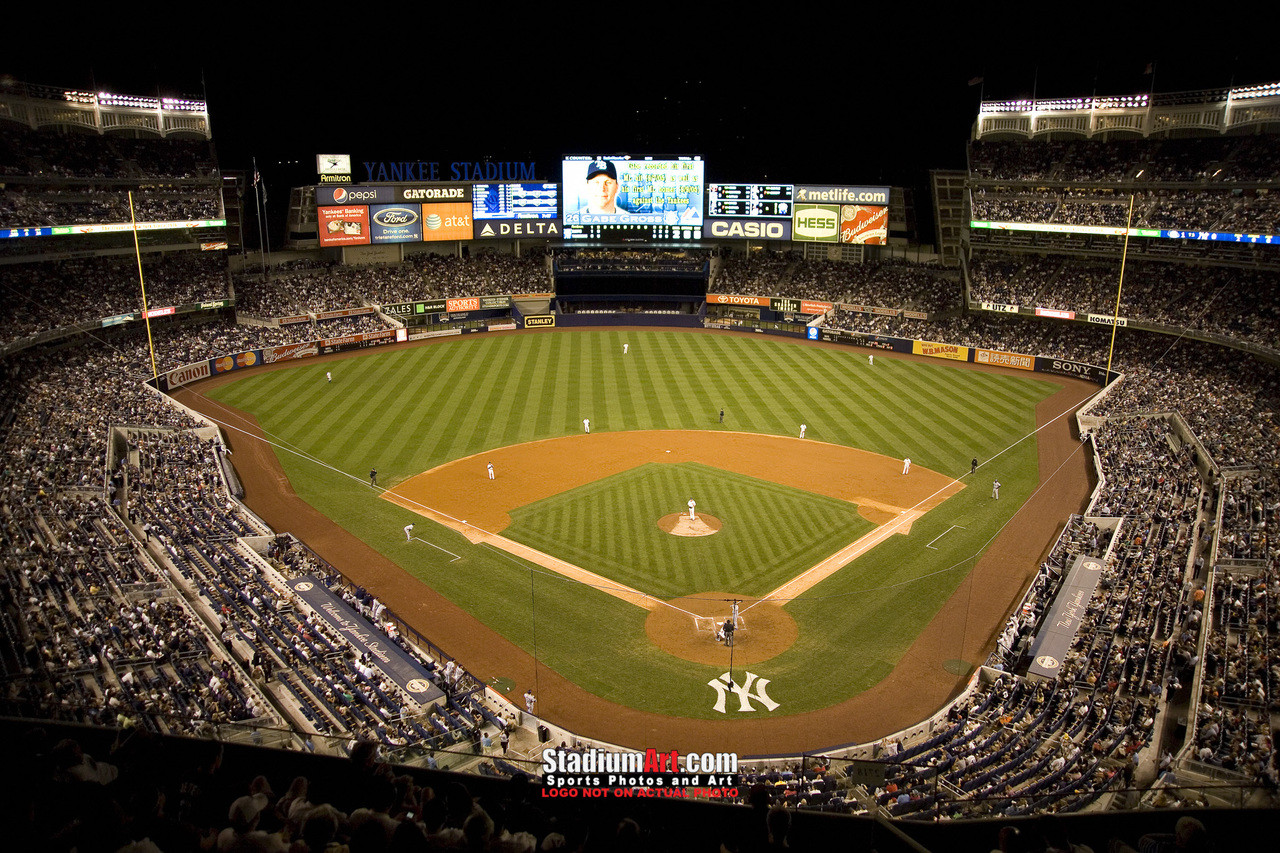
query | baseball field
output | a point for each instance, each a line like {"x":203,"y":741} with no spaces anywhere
{"x":865,"y":595}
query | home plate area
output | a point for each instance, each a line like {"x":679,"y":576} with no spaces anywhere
{"x":713,"y":627}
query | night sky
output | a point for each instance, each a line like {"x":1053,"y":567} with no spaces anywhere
{"x":880,"y":104}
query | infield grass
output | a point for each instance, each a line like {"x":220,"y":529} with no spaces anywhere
{"x":609,"y":528}
{"x":408,"y":410}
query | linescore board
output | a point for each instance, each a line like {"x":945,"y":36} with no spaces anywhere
{"x":758,"y":201}
{"x":515,"y":201}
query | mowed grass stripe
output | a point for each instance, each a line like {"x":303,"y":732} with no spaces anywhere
{"x":749,"y":554}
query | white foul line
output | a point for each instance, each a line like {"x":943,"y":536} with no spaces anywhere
{"x":455,"y":559}
{"x":944,"y":533}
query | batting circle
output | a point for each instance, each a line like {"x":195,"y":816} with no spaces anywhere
{"x":686,"y":628}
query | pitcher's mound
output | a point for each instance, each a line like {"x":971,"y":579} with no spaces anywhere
{"x":679,"y":524}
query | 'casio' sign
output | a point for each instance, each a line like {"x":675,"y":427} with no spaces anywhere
{"x":395,"y":216}
{"x":768,"y":230}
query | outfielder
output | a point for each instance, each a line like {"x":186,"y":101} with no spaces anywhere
{"x":586,"y":425}
{"x":995,"y":489}
{"x":803,"y":427}
{"x":328,"y":376}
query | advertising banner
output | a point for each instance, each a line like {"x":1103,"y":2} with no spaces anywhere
{"x":296,"y":318}
{"x":842,"y":195}
{"x":732,"y":299}
{"x":539,"y":320}
{"x":1062,"y":367}
{"x":395,"y":223}
{"x":228,"y":363}
{"x":188,"y":373}
{"x":517,"y":229}
{"x":117,"y":319}
{"x":915,"y":315}
{"x":1107,"y":320}
{"x":344,"y":226}
{"x":749,"y":229}
{"x":1004,"y":359}
{"x":333,"y":195}
{"x":343,"y":312}
{"x":361,"y":341}
{"x":809,"y":306}
{"x":495,"y":303}
{"x":432,"y":193}
{"x":816,"y":223}
{"x":936,"y":350}
{"x":446,"y":222}
{"x":271,"y":355}
{"x":469,"y":303}
{"x":864,"y":224}
{"x":1055,"y":312}
{"x":1000,"y":306}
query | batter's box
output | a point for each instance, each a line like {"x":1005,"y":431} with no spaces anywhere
{"x":711,"y":625}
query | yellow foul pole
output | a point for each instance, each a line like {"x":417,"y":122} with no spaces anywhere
{"x":1115,"y":316}
{"x":137,"y":253}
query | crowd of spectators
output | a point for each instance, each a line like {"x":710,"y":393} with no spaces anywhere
{"x":1226,"y":160}
{"x":1223,"y":184}
{"x":56,"y":294}
{"x":313,"y":289}
{"x":61,"y":177}
{"x":220,"y":639}
{"x":1237,"y":304}
{"x":893,"y":283}
{"x":57,"y":153}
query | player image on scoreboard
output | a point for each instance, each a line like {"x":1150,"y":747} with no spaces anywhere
{"x":619,"y":190}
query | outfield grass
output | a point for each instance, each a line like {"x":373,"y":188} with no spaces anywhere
{"x":408,"y":410}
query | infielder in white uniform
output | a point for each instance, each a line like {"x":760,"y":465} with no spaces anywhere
{"x":408,"y":532}
{"x":802,"y":429}
{"x":692,"y":504}
{"x":906,"y":465}
{"x":490,"y":470}
{"x":586,"y":426}
{"x":995,"y":489}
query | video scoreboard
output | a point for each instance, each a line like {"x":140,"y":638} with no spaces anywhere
{"x":605,"y":199}
{"x":617,"y":196}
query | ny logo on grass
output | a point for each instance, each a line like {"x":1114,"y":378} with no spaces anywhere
{"x":724,"y":684}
